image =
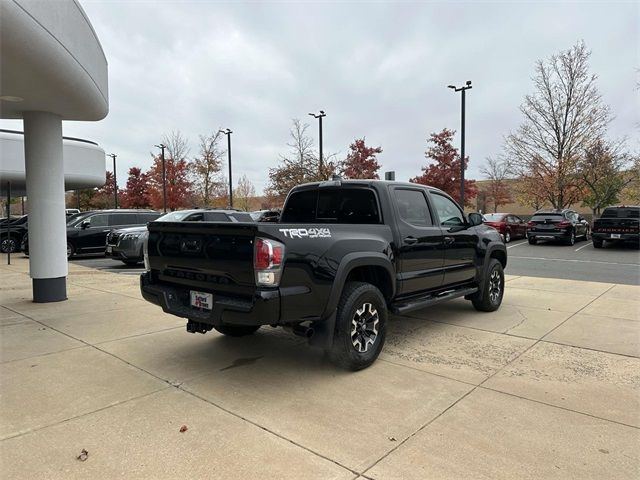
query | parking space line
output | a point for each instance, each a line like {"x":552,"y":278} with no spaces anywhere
{"x":577,"y":261}
{"x":580,"y":248}
{"x":517,"y":244}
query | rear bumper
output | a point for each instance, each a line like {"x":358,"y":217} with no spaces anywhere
{"x":624,"y":237}
{"x":549,"y":235}
{"x":262,"y":309}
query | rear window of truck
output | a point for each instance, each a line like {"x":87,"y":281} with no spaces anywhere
{"x":621,"y":213}
{"x":332,"y":205}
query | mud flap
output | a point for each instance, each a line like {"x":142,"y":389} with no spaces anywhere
{"x":323,"y":332}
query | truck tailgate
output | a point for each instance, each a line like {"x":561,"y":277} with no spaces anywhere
{"x":210,"y":256}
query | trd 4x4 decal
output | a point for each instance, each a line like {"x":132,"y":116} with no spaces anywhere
{"x":306,"y":232}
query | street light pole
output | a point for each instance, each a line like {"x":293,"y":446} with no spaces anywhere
{"x":319,"y":116}
{"x":115,"y":182}
{"x":162,"y":146}
{"x":228,"y":133}
{"x":462,"y":89}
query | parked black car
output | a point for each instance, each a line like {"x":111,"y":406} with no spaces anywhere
{"x":617,"y":225}
{"x":266,"y":215}
{"x":564,"y":225}
{"x":87,"y":231}
{"x":12,"y":231}
{"x":126,"y":244}
{"x":343,"y":254}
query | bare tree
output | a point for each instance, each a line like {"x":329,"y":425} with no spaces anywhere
{"x":206,"y":168}
{"x":497,"y":172}
{"x":300,"y":165}
{"x":177,"y":146}
{"x":562,"y":118}
{"x":244,"y":193}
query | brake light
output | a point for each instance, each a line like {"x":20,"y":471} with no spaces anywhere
{"x":564,"y":224}
{"x":531,"y":224}
{"x":267,"y":262}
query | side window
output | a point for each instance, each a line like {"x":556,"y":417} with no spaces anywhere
{"x":97,"y":221}
{"x":147,"y":217}
{"x":516,"y":219}
{"x":448,"y":212}
{"x":118,"y":219}
{"x":413,"y":207}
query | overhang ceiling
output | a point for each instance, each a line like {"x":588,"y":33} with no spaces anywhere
{"x":50,"y":57}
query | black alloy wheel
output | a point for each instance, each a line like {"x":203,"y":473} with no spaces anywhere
{"x":360,"y":332}
{"x":489,"y":298}
{"x":8,"y":245}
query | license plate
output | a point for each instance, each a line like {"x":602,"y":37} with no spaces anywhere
{"x":201,"y":300}
{"x":109,"y":249}
{"x":615,"y":235}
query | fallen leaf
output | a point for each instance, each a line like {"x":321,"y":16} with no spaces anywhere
{"x":393,"y":439}
{"x":83,"y":455}
{"x":183,"y":428}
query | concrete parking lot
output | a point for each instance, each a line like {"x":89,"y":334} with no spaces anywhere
{"x":546,"y":387}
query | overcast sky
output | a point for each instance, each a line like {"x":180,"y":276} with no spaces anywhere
{"x":379,"y":70}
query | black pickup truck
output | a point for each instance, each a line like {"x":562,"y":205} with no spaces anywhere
{"x":343,"y":254}
{"x":617,"y":224}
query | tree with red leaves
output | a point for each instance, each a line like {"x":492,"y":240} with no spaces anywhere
{"x":445,"y":172}
{"x":136,"y":195}
{"x":178,"y":184}
{"x":361,"y":161}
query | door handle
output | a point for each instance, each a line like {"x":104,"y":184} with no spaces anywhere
{"x":449,"y":240}
{"x":410,"y":240}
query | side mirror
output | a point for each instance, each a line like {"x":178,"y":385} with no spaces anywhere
{"x":86,"y":224}
{"x":475,"y":219}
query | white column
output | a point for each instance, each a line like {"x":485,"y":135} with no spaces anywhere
{"x":45,"y":191}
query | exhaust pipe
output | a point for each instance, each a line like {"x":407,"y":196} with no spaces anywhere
{"x":302,"y":330}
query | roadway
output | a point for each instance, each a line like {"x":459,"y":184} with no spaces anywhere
{"x":611,"y":264}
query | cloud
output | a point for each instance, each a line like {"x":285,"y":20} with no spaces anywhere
{"x":378,"y":70}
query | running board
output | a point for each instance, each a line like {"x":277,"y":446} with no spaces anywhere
{"x":431,"y":299}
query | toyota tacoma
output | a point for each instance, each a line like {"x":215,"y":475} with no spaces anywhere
{"x":343,"y":254}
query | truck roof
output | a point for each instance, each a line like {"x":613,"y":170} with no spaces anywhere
{"x":339,"y":182}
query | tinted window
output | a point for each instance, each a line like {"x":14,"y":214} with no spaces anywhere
{"x":147,"y":217}
{"x":99,"y":221}
{"x":118,"y":219}
{"x":621,"y":213}
{"x":541,"y":217}
{"x":343,"y":205}
{"x":448,"y":212}
{"x":413,"y":207}
{"x":301,"y":207}
{"x":351,"y":205}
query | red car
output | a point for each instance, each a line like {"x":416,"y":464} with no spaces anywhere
{"x":509,"y":225}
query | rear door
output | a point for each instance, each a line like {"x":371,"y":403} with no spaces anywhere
{"x":459,"y":240}
{"x":421,"y":248}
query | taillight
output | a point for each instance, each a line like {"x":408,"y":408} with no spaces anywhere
{"x":564,"y":224}
{"x":267,"y":262}
{"x":531,"y":224}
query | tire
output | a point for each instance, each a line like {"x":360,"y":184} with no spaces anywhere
{"x":361,"y":317}
{"x":572,"y":238}
{"x":507,"y":236}
{"x":597,"y":243}
{"x":131,"y":263}
{"x":237,"y":330}
{"x":532,"y":240}
{"x":492,"y":289}
{"x":71,"y":250}
{"x":8,"y":245}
